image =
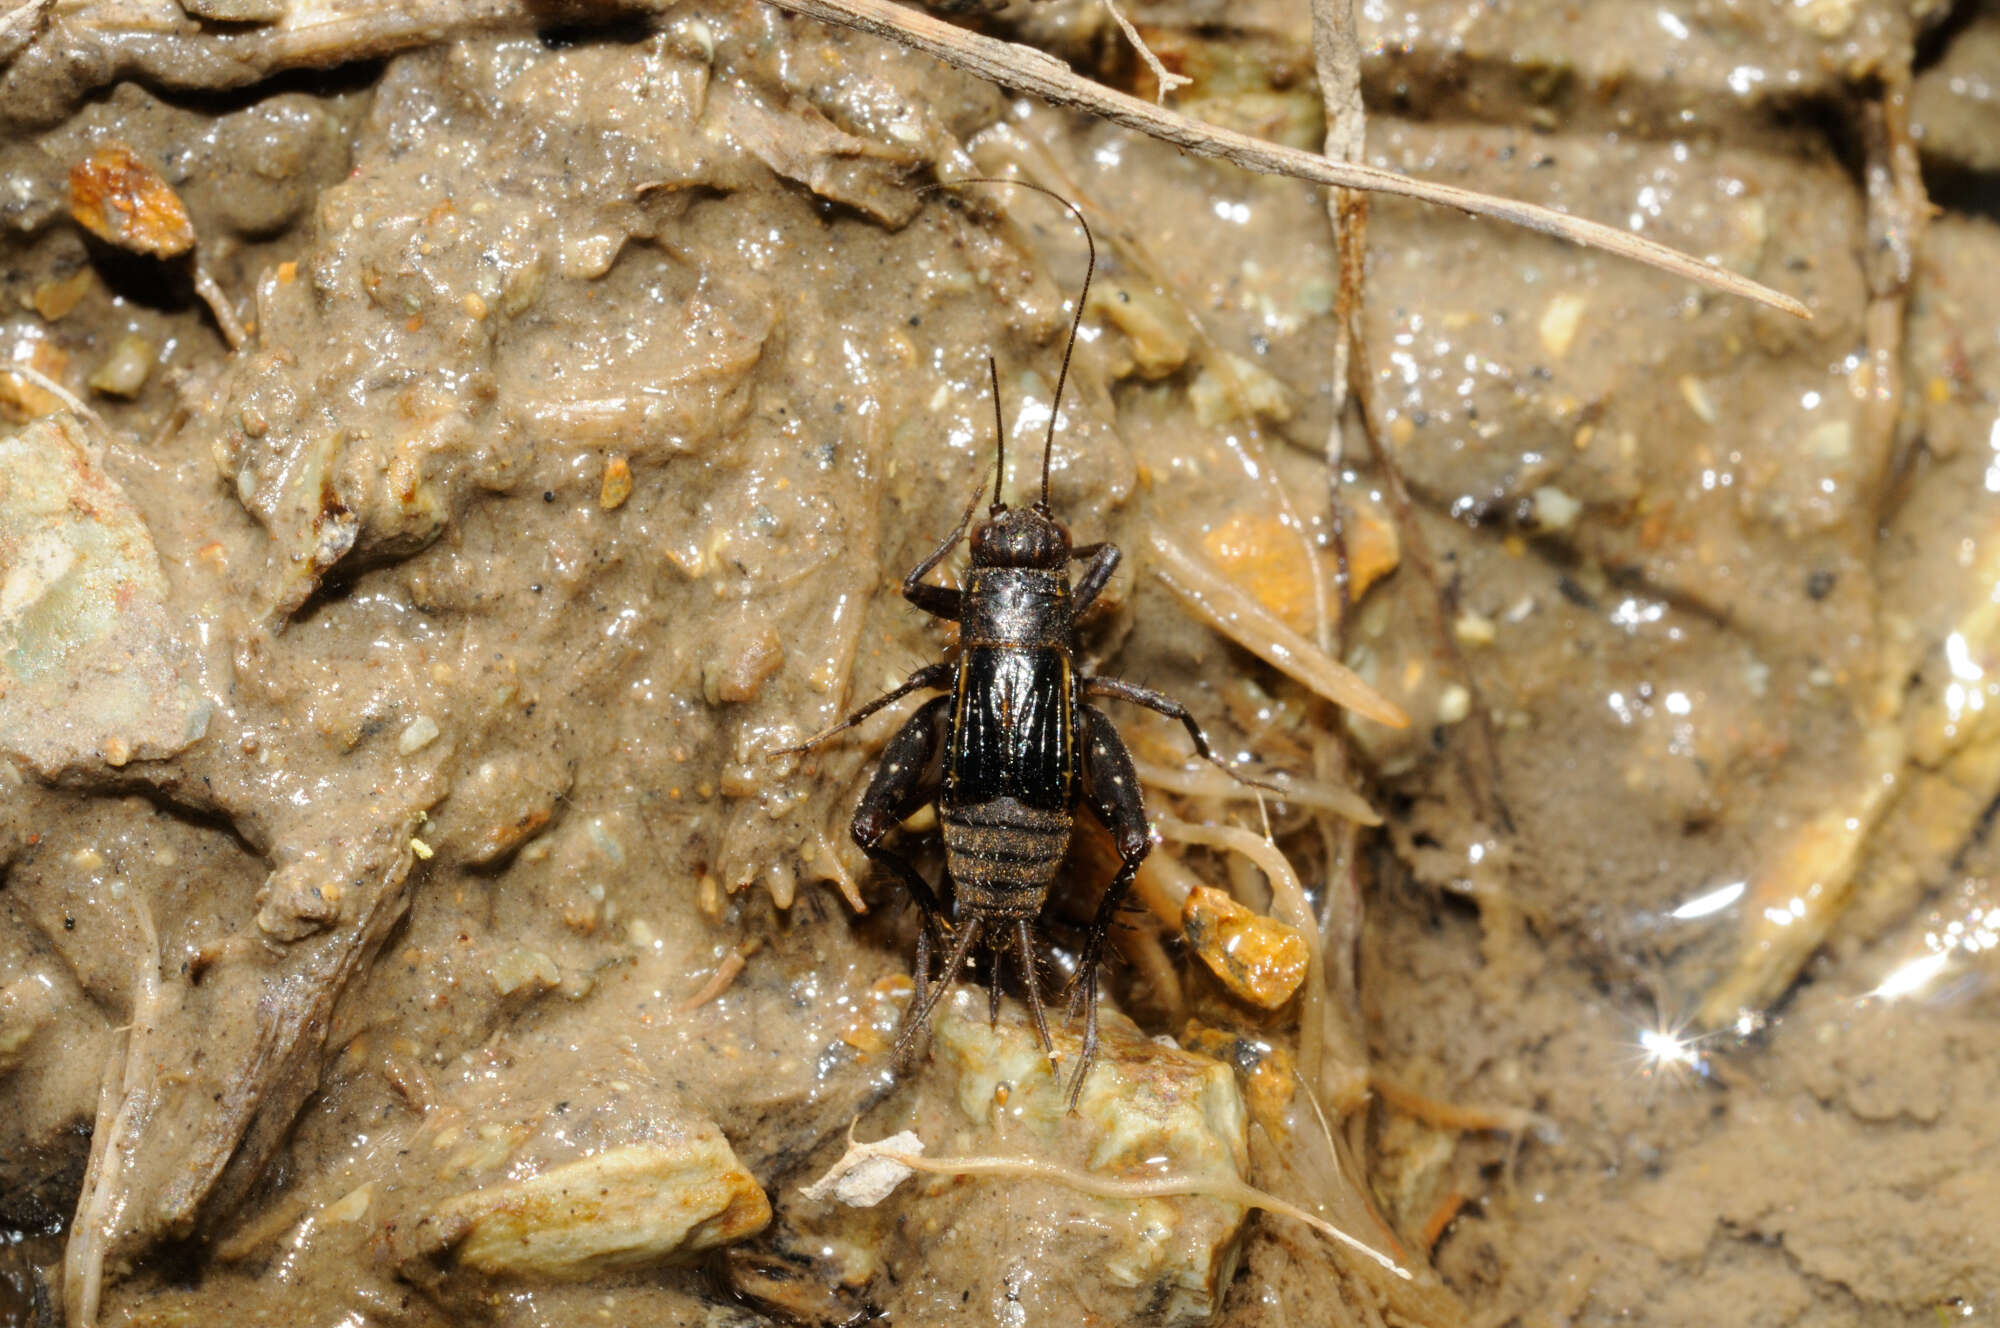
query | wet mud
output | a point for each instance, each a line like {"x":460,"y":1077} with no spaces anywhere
{"x":453,"y":458}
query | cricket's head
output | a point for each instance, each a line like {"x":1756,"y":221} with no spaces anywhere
{"x":1021,"y":537}
{"x":1028,"y":536}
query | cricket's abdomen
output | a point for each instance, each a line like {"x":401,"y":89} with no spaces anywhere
{"x":1003,"y":854}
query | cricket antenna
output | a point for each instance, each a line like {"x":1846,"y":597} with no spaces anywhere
{"x":1069,"y":349}
{"x":999,"y":441}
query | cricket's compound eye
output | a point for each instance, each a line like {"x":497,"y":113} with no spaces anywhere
{"x":1021,"y":537}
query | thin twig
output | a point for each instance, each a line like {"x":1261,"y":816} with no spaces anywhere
{"x":1300,"y":791}
{"x":1013,"y":65}
{"x":1337,"y":64}
{"x":1166,"y":80}
{"x":1451,"y":1116}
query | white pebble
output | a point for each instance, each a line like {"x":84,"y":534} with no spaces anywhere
{"x":1454,"y":704}
{"x":1554,"y":509}
{"x":1559,"y":322}
{"x":417,"y":735}
{"x":1473,"y":629}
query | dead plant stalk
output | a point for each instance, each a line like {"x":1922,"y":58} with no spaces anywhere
{"x":1012,"y":65}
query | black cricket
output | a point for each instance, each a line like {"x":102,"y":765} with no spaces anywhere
{"x":1014,"y":745}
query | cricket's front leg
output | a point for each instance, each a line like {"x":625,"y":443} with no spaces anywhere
{"x":939,"y":601}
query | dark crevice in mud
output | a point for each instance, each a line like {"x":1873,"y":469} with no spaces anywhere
{"x":39,"y":1211}
{"x":330,"y":85}
{"x":27,"y":1297}
{"x":163,"y":285}
{"x":337,"y":586}
{"x":1937,"y":38}
{"x":1837,"y":126}
{"x":615,"y":28}
{"x":210,"y":819}
{"x":1974,"y":193}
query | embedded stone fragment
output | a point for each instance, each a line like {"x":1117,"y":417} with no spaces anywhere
{"x":121,"y":200}
{"x":126,"y":368}
{"x":1146,"y":1108}
{"x":1268,"y":557}
{"x":1265,"y":1072}
{"x":1259,"y":959}
{"x":1157,"y":333}
{"x":616,"y":485}
{"x":623,"y":1208}
{"x":236,"y":11}
{"x":92,"y":664}
{"x":617,"y":1173}
{"x":26,"y":1006}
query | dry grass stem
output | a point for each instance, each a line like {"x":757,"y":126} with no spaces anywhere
{"x":1163,"y":884}
{"x":1337,"y":64}
{"x":1226,"y":1188}
{"x":1012,"y":65}
{"x":1442,"y":1217}
{"x":1238,"y":616}
{"x":1208,"y":782}
{"x":122,"y":1106}
{"x":1450,"y":1116}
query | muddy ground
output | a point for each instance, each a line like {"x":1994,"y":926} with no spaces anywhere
{"x":411,"y":910}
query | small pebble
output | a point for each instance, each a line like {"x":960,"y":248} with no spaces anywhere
{"x":1559,"y":323}
{"x":1554,"y":509}
{"x":1454,"y":704}
{"x":617,"y":485}
{"x":1698,"y":399}
{"x":126,"y":368}
{"x":55,"y":297}
{"x":418,"y":734}
{"x":1260,"y":959}
{"x":1473,"y":629}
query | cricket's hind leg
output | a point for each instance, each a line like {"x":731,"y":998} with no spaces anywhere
{"x":917,"y":1015}
{"x":1111,"y":789}
{"x":1024,"y":942}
